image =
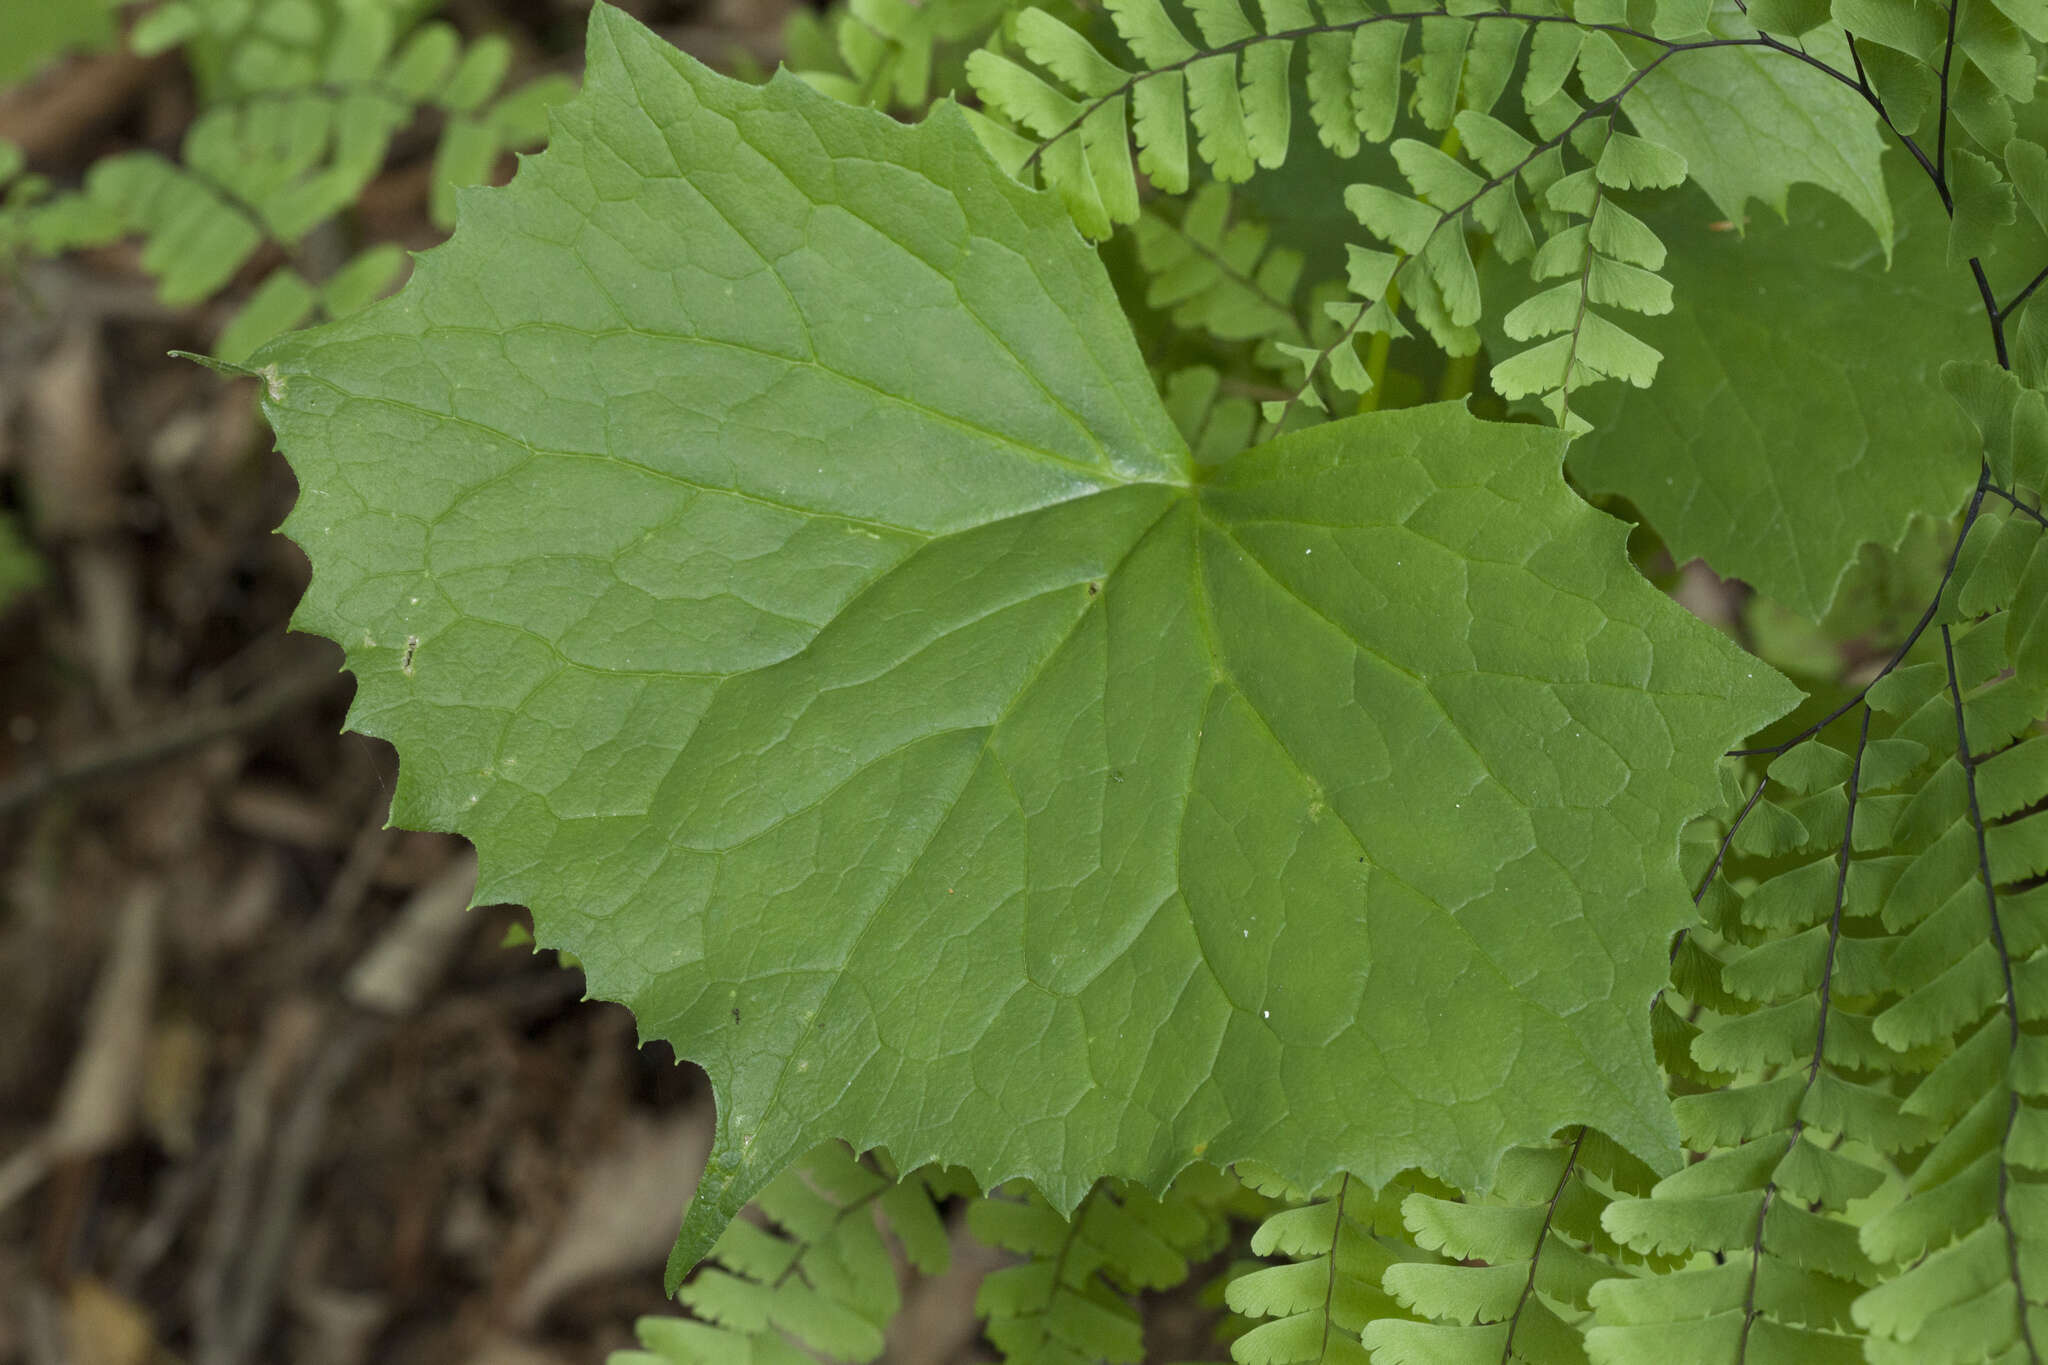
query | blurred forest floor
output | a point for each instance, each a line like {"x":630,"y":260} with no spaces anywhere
{"x":266,"y":1092}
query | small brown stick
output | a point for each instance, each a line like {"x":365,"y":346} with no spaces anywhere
{"x":46,"y":117}
{"x":300,"y":1140}
{"x":174,"y":736}
{"x":251,"y":1234}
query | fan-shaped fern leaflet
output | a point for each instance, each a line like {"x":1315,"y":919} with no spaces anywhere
{"x":1750,"y":1308}
{"x":1967,"y":760}
{"x":1522,"y":1301}
{"x":1122,"y":89}
{"x":1602,"y":108}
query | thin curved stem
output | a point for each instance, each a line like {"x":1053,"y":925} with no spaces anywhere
{"x":2018,"y":506}
{"x":1905,"y":647}
{"x":2006,"y":310}
{"x":1948,"y":57}
{"x":1968,"y":762}
{"x":1124,"y":88}
{"x":1599,"y":109}
{"x":1564,"y":1180}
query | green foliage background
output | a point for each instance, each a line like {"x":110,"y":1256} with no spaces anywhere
{"x":1074,"y":722}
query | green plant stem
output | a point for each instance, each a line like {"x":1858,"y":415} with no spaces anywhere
{"x":1459,"y":372}
{"x":1376,"y":355}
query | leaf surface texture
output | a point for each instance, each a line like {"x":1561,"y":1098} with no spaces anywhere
{"x":1775,"y":351}
{"x":785,"y":571}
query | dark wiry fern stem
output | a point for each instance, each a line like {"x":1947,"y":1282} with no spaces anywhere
{"x":1330,"y":1281}
{"x":1750,"y":1310}
{"x":1936,"y":170}
{"x":1727,"y":839}
{"x":1699,"y":892}
{"x":2012,"y":1005}
{"x":2005,"y":310}
{"x":1948,"y":57}
{"x":1827,"y":970}
{"x":1564,"y":1178}
{"x":1905,"y":646}
{"x":2018,"y":506}
{"x":1863,"y":84}
{"x":1756,"y":1261}
{"x":1073,"y":1235}
{"x":1598,"y":109}
{"x":846,"y":1211}
{"x":1231,"y":49}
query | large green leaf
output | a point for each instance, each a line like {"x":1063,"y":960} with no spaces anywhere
{"x":1751,"y":124}
{"x":1786,"y":430}
{"x":758,"y":532}
{"x":32,"y":33}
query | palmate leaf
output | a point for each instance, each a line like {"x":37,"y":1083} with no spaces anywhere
{"x":1751,"y":124}
{"x":1772,"y":350}
{"x":759,"y":533}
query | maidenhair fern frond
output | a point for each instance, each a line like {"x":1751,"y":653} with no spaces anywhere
{"x":304,"y":101}
{"x":1212,"y":269}
{"x":1521,"y":1262}
{"x":1335,"y":1250}
{"x":1785,"y":982}
{"x":813,"y":1276}
{"x":1606,"y":256}
{"x":1969,"y":1242}
{"x":1072,"y":112}
{"x":888,"y":54}
{"x":1853,"y":1028}
{"x":1068,"y":1303}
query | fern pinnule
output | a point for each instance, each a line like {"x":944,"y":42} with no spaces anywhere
{"x":814,"y":1276}
{"x":1337,"y":1247}
{"x":1216,"y":425}
{"x":888,"y":54}
{"x":299,"y":120}
{"x":1068,"y":1304}
{"x":1234,"y":87}
{"x":1215,"y":270}
{"x":1520,"y":1264}
{"x":1967,"y":1240}
{"x":1802,"y":1128}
